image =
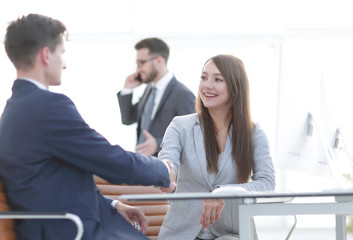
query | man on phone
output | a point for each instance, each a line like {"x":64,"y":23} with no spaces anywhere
{"x":163,"y":99}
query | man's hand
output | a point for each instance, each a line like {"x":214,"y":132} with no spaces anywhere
{"x":132,"y":215}
{"x":148,"y":147}
{"x":131,"y":82}
{"x":211,"y":212}
{"x":172,"y":177}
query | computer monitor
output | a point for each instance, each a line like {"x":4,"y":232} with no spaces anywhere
{"x":307,"y":132}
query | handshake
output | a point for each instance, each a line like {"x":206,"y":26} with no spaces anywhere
{"x":172,"y":177}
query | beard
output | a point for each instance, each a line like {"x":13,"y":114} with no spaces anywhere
{"x":151,"y":75}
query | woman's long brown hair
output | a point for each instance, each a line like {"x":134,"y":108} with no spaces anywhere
{"x":241,"y":125}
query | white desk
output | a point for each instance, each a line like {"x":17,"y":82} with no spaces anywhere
{"x":251,"y":207}
{"x":340,"y":209}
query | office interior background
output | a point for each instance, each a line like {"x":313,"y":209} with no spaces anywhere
{"x":298,"y":55}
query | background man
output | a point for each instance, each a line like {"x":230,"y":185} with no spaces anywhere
{"x":48,"y":154}
{"x":163,"y":99}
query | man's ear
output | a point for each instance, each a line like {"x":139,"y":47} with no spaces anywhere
{"x":160,"y":60}
{"x":44,"y":55}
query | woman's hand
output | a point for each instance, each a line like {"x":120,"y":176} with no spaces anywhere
{"x":172,"y":177}
{"x":211,"y":212}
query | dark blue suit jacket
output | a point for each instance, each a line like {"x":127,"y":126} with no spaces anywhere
{"x":48,"y":156}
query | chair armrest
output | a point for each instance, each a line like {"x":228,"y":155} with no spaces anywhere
{"x":46,"y":215}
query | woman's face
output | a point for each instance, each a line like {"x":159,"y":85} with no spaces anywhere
{"x":213,"y":89}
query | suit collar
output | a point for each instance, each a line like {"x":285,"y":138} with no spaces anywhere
{"x":226,"y":157}
{"x":38,"y":84}
{"x":201,"y":153}
{"x":166,"y":93}
{"x":164,"y":81}
{"x":21,"y":83}
{"x":171,"y":82}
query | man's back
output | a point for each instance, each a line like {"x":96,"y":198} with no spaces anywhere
{"x":34,"y":179}
{"x":48,"y":154}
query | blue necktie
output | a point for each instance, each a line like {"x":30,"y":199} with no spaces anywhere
{"x":146,"y":115}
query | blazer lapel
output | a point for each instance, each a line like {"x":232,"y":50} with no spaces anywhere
{"x":167,"y":91}
{"x":226,"y":157}
{"x":201,"y":153}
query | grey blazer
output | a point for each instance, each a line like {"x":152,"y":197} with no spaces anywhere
{"x":177,"y":100}
{"x":183,"y":145}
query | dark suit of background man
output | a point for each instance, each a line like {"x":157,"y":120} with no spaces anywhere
{"x":48,"y":154}
{"x":172,"y":98}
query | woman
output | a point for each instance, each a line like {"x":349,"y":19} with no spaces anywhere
{"x":219,"y":146}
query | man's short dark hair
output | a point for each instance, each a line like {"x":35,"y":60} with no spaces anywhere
{"x":28,"y":34}
{"x":155,"y":46}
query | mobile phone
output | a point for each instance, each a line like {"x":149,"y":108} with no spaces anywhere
{"x":138,"y":78}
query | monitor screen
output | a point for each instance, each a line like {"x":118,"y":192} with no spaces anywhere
{"x":307,"y":131}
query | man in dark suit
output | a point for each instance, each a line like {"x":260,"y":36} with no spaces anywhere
{"x":48,"y":154}
{"x":163,"y":99}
